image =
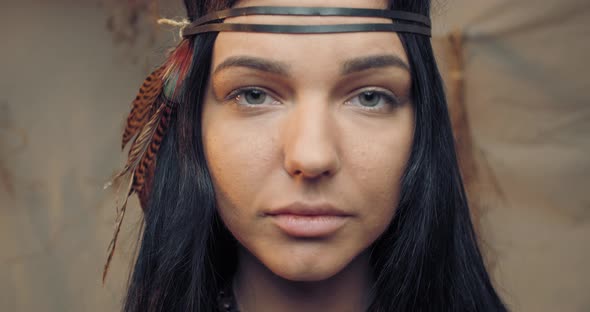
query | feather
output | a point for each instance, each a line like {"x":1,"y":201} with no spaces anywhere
{"x":143,"y":174}
{"x":142,"y":142}
{"x":146,"y":127}
{"x":118,"y":222}
{"x":143,"y":105}
{"x":178,"y":68}
{"x":136,"y":154}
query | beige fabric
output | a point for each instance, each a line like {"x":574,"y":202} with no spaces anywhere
{"x":66,"y":88}
{"x":525,"y":81}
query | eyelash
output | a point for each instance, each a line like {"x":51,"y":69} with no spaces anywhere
{"x":235,"y":95}
{"x":388,"y":97}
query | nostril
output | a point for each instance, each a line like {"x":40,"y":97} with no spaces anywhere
{"x":310,"y":174}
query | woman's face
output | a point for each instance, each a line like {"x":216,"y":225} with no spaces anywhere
{"x":306,"y":138}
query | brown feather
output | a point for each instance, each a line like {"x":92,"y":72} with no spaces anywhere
{"x":143,"y":174}
{"x":137,"y":152}
{"x":146,"y":126}
{"x":142,"y":142}
{"x":118,"y":222}
{"x":144,"y":104}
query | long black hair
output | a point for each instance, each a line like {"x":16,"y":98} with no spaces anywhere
{"x":426,"y":260}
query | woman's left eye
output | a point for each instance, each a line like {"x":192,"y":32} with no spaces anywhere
{"x":374,"y":100}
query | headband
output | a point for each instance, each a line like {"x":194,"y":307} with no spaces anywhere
{"x":407,"y":22}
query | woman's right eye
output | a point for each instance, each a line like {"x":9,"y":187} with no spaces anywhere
{"x":252,"y":97}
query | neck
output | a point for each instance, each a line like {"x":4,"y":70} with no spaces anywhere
{"x":258,"y":289}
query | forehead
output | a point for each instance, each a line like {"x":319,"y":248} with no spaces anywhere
{"x":308,"y":50}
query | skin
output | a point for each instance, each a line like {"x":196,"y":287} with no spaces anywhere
{"x":311,"y":140}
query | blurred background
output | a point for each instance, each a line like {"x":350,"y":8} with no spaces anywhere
{"x":518,"y":87}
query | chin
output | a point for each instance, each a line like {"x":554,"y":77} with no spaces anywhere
{"x":306,"y":269}
{"x":305,"y":274}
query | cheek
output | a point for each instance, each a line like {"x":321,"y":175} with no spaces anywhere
{"x":376,"y":165}
{"x":379,"y":173}
{"x":379,"y":189}
{"x":239,"y":160}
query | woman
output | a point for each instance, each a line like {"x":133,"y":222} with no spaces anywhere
{"x":301,"y":172}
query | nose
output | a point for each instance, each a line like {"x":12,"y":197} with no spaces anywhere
{"x":310,"y":142}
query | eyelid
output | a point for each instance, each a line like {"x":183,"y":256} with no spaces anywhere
{"x":389,"y":95}
{"x":234,"y":93}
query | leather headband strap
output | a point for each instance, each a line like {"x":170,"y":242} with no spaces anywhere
{"x":308,"y":29}
{"x":213,"y":22}
{"x":312,"y":11}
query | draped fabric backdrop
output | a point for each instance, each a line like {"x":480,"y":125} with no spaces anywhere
{"x":517,"y":81}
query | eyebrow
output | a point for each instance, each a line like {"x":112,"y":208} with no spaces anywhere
{"x":256,"y":63}
{"x":374,"y":61}
{"x":279,"y":68}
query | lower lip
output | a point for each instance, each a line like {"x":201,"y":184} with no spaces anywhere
{"x":309,"y":226}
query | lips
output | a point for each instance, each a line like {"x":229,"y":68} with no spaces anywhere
{"x":309,"y":220}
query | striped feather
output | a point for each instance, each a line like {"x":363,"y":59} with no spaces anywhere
{"x":143,"y":104}
{"x":143,"y":175}
{"x":146,"y":127}
{"x":136,"y":153}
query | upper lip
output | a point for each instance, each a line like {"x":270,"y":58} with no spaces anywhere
{"x":307,"y":209}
